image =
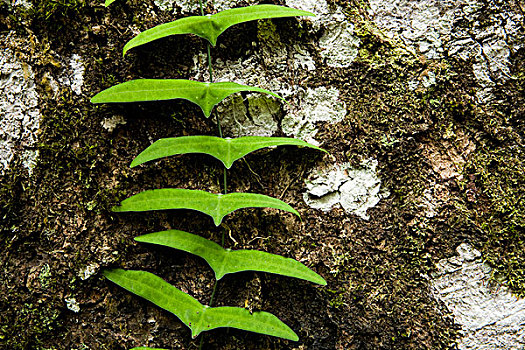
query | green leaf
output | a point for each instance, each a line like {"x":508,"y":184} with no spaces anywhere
{"x":196,"y":316}
{"x":225,"y":150}
{"x":147,"y":348}
{"x":109,"y":2}
{"x":206,"y":95}
{"x":211,"y":26}
{"x":224,"y":261}
{"x":215,"y":205}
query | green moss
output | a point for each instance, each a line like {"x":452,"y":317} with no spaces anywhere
{"x":498,"y":175}
{"x":33,"y":321}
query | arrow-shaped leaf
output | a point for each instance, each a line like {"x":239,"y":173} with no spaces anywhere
{"x":215,"y":205}
{"x":206,"y":95}
{"x":211,"y":26}
{"x":193,"y":314}
{"x":224,"y":261}
{"x":225,"y":150}
{"x":107,"y":3}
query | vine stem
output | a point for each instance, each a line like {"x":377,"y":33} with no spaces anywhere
{"x":225,"y":177}
{"x":210,"y":70}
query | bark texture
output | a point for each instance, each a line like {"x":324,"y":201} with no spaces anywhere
{"x":420,"y":104}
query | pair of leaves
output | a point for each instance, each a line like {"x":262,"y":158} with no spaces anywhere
{"x":215,"y":205}
{"x":205,"y":95}
{"x":225,"y":150}
{"x":197,"y":317}
{"x":211,"y":26}
{"x":225,"y":261}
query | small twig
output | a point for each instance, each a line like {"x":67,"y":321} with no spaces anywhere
{"x":291,"y":182}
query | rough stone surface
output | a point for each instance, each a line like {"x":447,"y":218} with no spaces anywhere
{"x":448,"y":159}
{"x":491,"y":317}
{"x":259,"y":114}
{"x":19,"y":113}
{"x":457,"y":28}
{"x":338,"y":44}
{"x":355,"y":189}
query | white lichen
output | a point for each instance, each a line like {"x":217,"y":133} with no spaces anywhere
{"x":313,"y":105}
{"x":19,"y":113}
{"x":109,"y":124}
{"x":73,"y":76}
{"x":485,"y":34}
{"x":355,"y":189}
{"x":72,"y":304}
{"x":20,"y":3}
{"x":339,"y":46}
{"x":188,"y":6}
{"x":491,"y":317}
{"x":88,"y":271}
{"x":260,"y":114}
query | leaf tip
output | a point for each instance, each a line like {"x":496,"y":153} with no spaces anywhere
{"x":194,"y":333}
{"x":308,"y":13}
{"x":142,"y":239}
{"x":134,"y":163}
{"x":108,"y":273}
{"x":116,"y":209}
{"x":294,"y":337}
{"x":207,"y":112}
{"x":126,"y":48}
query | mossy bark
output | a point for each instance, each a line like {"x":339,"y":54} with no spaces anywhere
{"x":57,"y":222}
